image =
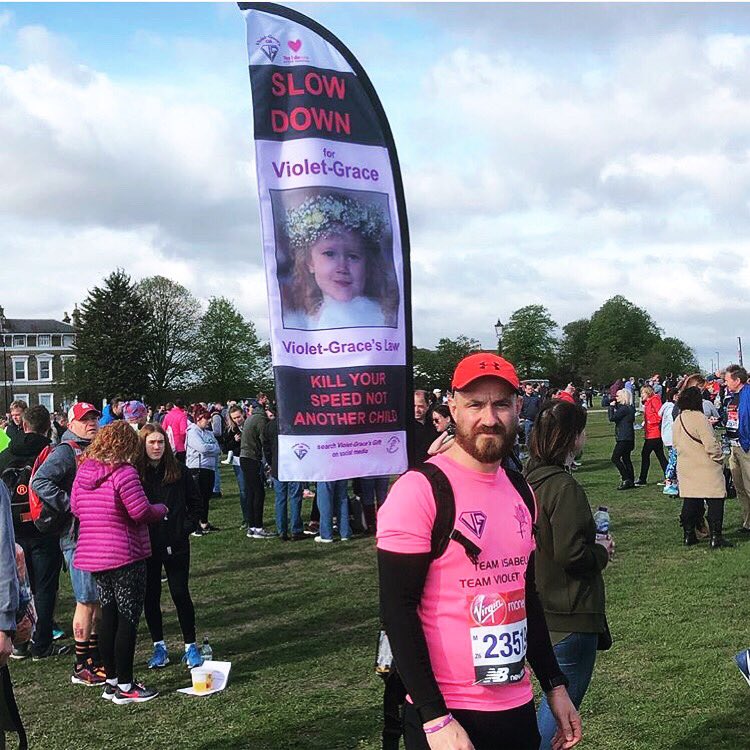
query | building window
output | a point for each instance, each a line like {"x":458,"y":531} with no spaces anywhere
{"x":44,"y":368}
{"x":20,"y":368}
{"x":67,"y":341}
{"x":19,"y":341}
{"x":44,"y":341}
{"x":22,"y":397}
{"x":48,"y":401}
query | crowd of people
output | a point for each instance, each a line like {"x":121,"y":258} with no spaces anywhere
{"x":115,"y":498}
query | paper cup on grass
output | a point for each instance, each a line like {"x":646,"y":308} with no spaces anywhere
{"x":202,"y":680}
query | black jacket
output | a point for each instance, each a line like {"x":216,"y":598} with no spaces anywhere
{"x":170,"y":537}
{"x":624,"y":418}
{"x":23,"y":449}
{"x":271,"y":446}
{"x":424,"y":436}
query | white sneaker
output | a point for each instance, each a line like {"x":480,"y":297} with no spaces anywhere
{"x":323,"y":541}
{"x":260,"y":534}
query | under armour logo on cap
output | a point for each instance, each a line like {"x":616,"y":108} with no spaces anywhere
{"x":484,"y":364}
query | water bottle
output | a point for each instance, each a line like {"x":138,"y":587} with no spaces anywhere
{"x":206,"y":651}
{"x":601,"y":519}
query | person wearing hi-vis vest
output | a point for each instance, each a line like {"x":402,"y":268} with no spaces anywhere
{"x":461,"y":624}
{"x":738,"y":433}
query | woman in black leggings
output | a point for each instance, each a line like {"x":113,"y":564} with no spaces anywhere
{"x":622,"y":413}
{"x":166,"y":481}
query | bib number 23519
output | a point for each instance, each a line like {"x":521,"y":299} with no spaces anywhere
{"x":498,"y":637}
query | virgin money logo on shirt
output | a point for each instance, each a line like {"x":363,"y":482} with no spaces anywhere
{"x":475,"y":521}
{"x":488,"y":609}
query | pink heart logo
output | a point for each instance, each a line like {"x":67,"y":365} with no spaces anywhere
{"x":295,"y":45}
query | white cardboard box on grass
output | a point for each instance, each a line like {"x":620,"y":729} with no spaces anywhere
{"x":220,"y":672}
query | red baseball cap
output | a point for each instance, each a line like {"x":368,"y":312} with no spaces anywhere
{"x":81,"y":409}
{"x":484,"y":364}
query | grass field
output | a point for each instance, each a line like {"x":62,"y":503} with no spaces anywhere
{"x":298,"y":622}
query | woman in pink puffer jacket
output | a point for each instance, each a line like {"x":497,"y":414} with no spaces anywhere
{"x":113,"y":544}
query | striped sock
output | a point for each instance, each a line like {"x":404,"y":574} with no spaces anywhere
{"x":82,"y":652}
{"x":94,"y":654}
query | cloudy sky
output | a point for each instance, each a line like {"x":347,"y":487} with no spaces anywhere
{"x":552,"y":154}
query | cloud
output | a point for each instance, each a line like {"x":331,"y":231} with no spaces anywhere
{"x":550,"y":154}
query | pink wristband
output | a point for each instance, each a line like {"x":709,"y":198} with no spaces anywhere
{"x":437,"y":727}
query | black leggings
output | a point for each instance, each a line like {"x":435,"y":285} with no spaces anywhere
{"x":204,"y":478}
{"x":621,"y":459}
{"x":692,"y":513}
{"x":121,"y":594}
{"x":488,"y":730}
{"x":177,"y":568}
{"x":655,"y":446}
{"x":254,"y":490}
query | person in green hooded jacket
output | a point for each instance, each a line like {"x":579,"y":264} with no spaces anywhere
{"x":570,"y":556}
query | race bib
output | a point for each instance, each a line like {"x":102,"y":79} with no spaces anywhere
{"x":498,"y":633}
{"x":733,"y":419}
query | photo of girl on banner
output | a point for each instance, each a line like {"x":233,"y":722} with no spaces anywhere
{"x":334,"y":255}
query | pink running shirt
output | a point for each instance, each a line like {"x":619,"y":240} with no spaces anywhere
{"x":473,"y":616}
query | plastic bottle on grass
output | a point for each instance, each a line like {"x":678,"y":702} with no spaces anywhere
{"x":206,"y":651}
{"x":601,"y":519}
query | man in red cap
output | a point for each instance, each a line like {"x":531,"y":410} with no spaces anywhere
{"x":462,"y":624}
{"x":52,"y":483}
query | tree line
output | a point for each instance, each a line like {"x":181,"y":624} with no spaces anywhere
{"x":620,"y":339}
{"x":152,"y":339}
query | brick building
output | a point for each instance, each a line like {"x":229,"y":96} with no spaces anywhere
{"x":34,"y":356}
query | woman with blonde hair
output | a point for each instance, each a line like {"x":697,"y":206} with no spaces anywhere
{"x":622,"y":412}
{"x":113,"y":544}
{"x":652,"y":442}
{"x":339,"y":275}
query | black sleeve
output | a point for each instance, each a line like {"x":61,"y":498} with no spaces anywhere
{"x":402,"y":579}
{"x":539,"y":649}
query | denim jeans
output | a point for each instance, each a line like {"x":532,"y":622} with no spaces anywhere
{"x":374,"y":489}
{"x":527,"y":425}
{"x":44,"y":562}
{"x":240,"y":476}
{"x":333,"y":498}
{"x":288,"y":493}
{"x":576,"y":655}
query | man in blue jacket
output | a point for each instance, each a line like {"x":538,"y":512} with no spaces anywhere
{"x":738,"y":433}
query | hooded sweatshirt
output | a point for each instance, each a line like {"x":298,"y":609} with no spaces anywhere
{"x":22,"y":452}
{"x":113,"y":513}
{"x":53,"y":482}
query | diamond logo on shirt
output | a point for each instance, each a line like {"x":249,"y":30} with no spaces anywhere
{"x":475,"y":521}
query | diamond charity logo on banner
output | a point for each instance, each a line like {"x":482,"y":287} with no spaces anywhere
{"x":336,"y":252}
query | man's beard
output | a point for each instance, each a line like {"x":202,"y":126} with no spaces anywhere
{"x":496,"y":444}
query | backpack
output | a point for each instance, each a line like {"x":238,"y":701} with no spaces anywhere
{"x":45,"y":518}
{"x":443,"y":532}
{"x":17,"y":480}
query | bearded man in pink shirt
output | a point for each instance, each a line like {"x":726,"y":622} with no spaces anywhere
{"x":461,"y":625}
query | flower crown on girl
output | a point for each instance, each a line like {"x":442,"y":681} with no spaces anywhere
{"x":318,"y":215}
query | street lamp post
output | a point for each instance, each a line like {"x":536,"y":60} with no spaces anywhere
{"x":718,"y":367}
{"x":739,"y":350}
{"x":5,"y":362}
{"x":499,"y":333}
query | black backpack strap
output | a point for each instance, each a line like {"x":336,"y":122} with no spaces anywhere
{"x":522,"y":488}
{"x":445,"y":517}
